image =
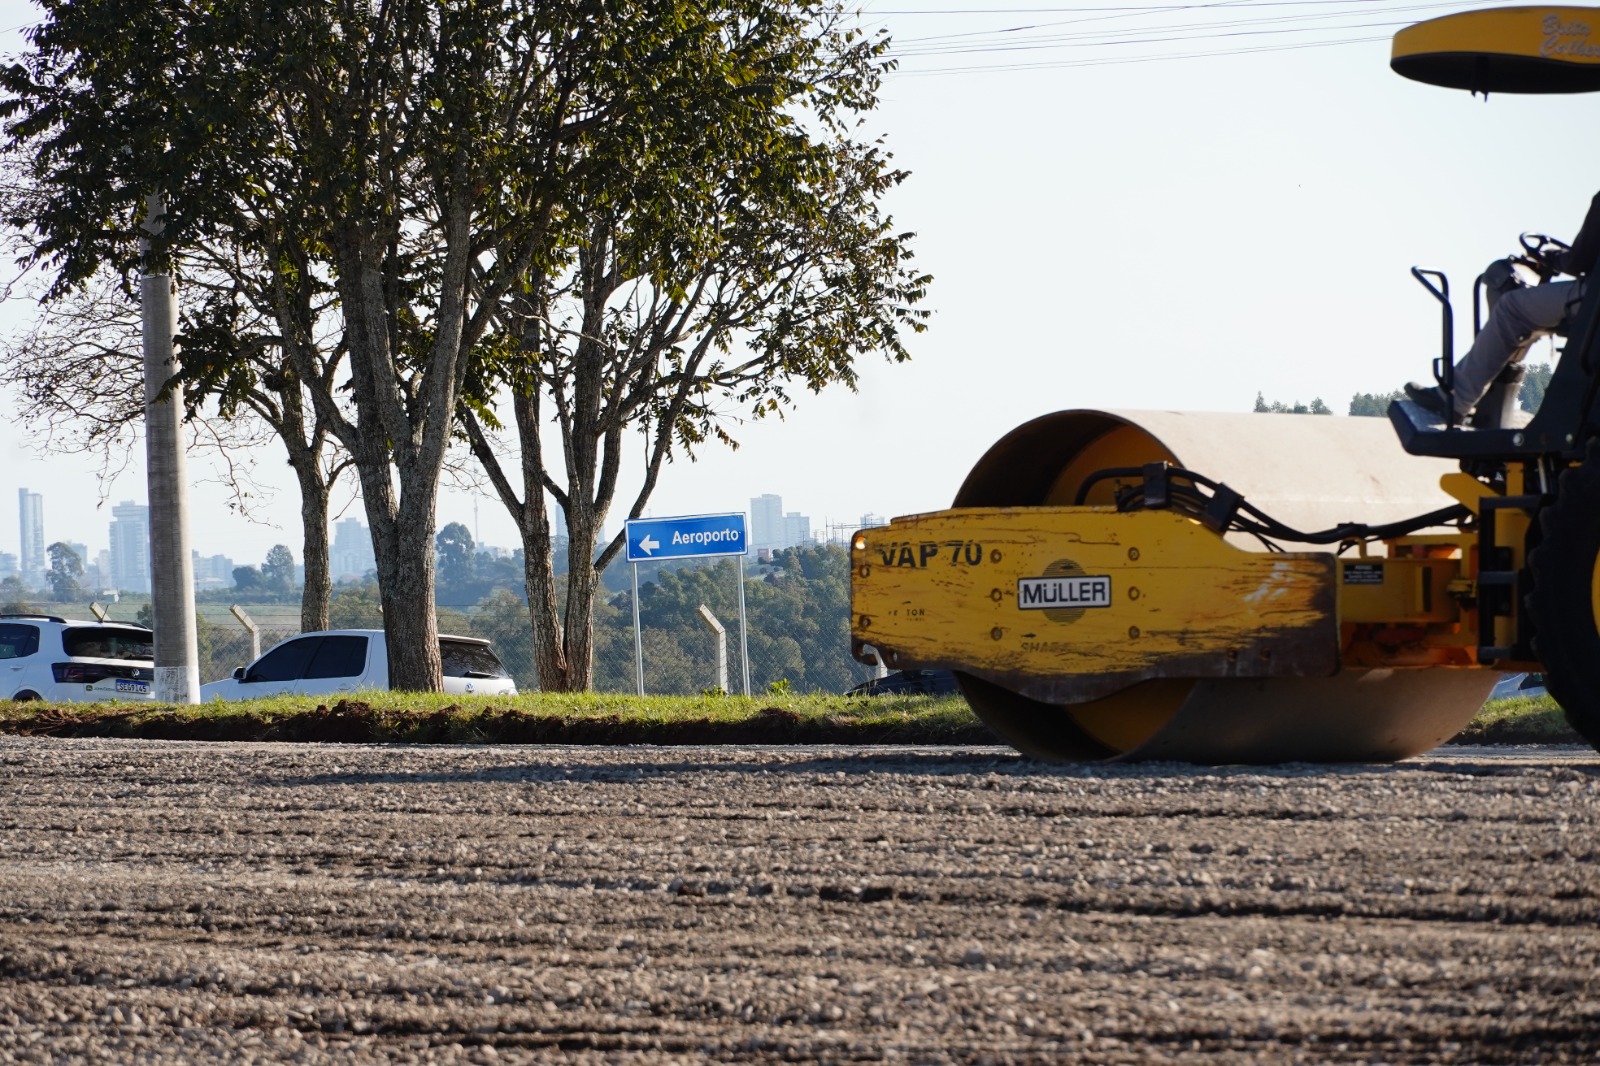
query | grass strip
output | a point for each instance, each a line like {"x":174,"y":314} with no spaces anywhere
{"x":1519,"y":720}
{"x":539,"y":718}
{"x":596,"y":718}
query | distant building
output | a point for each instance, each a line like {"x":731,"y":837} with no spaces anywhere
{"x":771,"y":529}
{"x":8,"y":565}
{"x":766,"y":523}
{"x":130,"y":547}
{"x":211,"y":571}
{"x":560,"y":539}
{"x":32,"y":562}
{"x":351,"y":557}
{"x":870,"y":521}
{"x":796,"y":530}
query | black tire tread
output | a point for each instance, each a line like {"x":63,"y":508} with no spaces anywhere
{"x":1566,"y":631}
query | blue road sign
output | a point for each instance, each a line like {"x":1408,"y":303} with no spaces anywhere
{"x":685,"y":537}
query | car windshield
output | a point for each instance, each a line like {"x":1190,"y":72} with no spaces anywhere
{"x":462,"y":658}
{"x":108,"y":642}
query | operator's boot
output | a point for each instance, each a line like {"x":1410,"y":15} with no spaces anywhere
{"x":1430,"y":398}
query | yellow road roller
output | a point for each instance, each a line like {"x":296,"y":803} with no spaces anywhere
{"x":1264,"y":588}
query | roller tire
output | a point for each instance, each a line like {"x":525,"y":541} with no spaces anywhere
{"x":1562,"y":601}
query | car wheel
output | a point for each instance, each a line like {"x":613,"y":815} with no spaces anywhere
{"x":27,"y":695}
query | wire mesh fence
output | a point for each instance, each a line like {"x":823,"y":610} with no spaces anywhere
{"x":797,"y":628}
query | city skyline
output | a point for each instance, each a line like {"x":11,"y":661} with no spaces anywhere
{"x":350,"y":542}
{"x":123,"y":565}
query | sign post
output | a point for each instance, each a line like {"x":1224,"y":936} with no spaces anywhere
{"x":685,"y":537}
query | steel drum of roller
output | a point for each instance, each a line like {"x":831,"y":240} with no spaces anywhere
{"x":1310,"y":472}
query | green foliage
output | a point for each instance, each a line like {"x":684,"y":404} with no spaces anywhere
{"x":206,"y":639}
{"x":1374,"y":404}
{"x":65,"y":570}
{"x":277,"y":572}
{"x":356,"y":605}
{"x":14,"y":597}
{"x":1535,"y":385}
{"x":1316,"y":407}
{"x":466,"y":575}
{"x":799,"y":627}
{"x":502,"y":618}
{"x":457,"y":559}
{"x":454,"y":622}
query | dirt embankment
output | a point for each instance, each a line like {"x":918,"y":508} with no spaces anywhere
{"x":359,"y":722}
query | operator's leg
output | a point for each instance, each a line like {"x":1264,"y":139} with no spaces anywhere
{"x":1519,"y":317}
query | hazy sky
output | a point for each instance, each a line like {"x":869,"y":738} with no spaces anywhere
{"x":1170,"y":234}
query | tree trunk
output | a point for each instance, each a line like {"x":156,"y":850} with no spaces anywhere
{"x":582,"y":583}
{"x":318,"y":590}
{"x":398,"y":487}
{"x":549,"y":650}
{"x":402,"y":541}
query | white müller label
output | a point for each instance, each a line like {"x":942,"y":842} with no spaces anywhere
{"x":1040,"y":593}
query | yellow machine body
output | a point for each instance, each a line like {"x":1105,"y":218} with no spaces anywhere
{"x":1504,"y":50}
{"x":1071,"y":604}
{"x":1081,"y":631}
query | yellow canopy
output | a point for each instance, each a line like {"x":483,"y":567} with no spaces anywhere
{"x":1504,"y":50}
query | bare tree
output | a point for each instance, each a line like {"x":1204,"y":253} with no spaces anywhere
{"x":79,"y":371}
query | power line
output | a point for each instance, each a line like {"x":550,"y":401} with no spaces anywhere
{"x":1125,"y":38}
{"x":1331,"y":22}
{"x":1111,"y":61}
{"x":959,"y":42}
{"x":1132,"y":12}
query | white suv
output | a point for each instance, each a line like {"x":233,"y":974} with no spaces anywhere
{"x":43,"y":657}
{"x":331,"y":662}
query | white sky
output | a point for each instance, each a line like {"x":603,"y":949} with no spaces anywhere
{"x":1175,"y":234}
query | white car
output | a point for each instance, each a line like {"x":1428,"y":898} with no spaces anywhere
{"x":1512,"y":685}
{"x":337,"y":661}
{"x":43,"y":657}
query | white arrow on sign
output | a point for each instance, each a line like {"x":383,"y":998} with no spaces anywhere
{"x":649,"y":544}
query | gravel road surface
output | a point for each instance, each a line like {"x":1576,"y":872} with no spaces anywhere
{"x":265,"y":902}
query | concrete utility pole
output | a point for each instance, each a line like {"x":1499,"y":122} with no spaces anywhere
{"x":177,"y":657}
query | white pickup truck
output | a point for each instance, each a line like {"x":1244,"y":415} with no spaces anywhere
{"x":338,"y":661}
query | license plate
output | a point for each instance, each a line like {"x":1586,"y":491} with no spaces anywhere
{"x":141,"y":687}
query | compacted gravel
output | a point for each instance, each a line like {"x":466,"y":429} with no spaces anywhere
{"x":263,"y":902}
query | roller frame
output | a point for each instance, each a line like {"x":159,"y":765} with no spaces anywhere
{"x":945,"y":591}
